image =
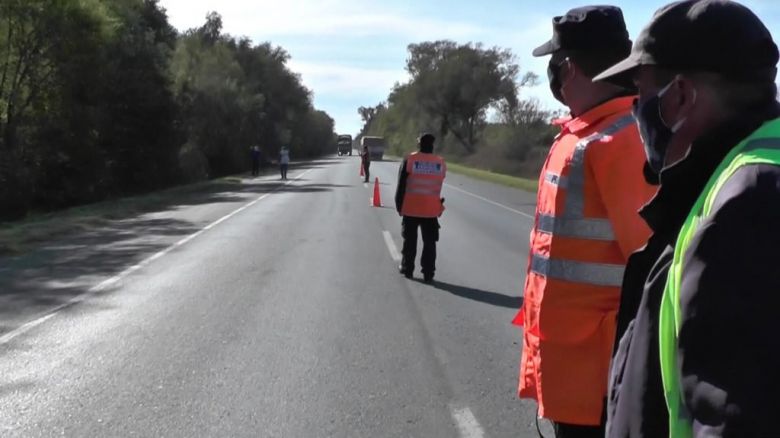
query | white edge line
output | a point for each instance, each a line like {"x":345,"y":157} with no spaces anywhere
{"x":391,"y":246}
{"x":24,"y":328}
{"x":491,"y":202}
{"x":468,"y":426}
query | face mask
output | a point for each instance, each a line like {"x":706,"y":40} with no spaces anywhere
{"x":553,"y":75}
{"x":653,"y":130}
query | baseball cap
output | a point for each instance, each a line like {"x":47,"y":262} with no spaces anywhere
{"x":720,"y":36}
{"x":588,"y":28}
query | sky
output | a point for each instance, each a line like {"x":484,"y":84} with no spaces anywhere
{"x":350,"y":53}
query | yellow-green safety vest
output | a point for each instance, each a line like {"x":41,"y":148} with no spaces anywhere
{"x":761,"y":147}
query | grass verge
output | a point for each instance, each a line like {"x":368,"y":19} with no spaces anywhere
{"x":526,"y":184}
{"x":20,"y":236}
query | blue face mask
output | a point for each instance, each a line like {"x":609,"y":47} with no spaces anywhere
{"x":653,"y":130}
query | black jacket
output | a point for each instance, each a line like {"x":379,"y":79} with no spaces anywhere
{"x":400,"y":190}
{"x":729,"y":344}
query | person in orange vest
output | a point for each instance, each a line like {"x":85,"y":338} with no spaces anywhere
{"x":586,"y":226}
{"x":418,"y":200}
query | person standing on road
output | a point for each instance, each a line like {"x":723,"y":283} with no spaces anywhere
{"x":418,"y":200}
{"x":365,"y":161}
{"x":700,"y":353}
{"x":255,"y":160}
{"x":586,"y":226}
{"x":284,"y":162}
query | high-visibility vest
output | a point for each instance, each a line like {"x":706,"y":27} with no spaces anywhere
{"x":586,"y":226}
{"x":425,"y":179}
{"x":761,"y":147}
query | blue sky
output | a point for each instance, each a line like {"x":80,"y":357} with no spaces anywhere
{"x":350,"y":53}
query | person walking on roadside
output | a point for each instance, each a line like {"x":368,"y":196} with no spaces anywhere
{"x":586,"y":226}
{"x":284,"y":162}
{"x":700,"y":353}
{"x":255,"y":153}
{"x":418,"y":200}
{"x":365,"y":161}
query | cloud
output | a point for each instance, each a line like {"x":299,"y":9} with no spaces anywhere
{"x":263,"y":19}
{"x":346,"y":81}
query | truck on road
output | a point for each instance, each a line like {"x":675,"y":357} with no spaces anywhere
{"x":345,"y":144}
{"x":376,"y":147}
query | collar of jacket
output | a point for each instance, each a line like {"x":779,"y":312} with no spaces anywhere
{"x":682,"y":183}
{"x":596,"y":114}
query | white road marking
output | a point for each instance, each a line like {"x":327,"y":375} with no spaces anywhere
{"x":24,"y":328}
{"x":391,"y":246}
{"x":468,"y":426}
{"x":529,"y":216}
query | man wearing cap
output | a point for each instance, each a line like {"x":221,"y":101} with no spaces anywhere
{"x":699,"y":353}
{"x":418,"y":200}
{"x":586,"y":226}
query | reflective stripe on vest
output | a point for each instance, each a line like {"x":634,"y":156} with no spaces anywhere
{"x":555,"y":179}
{"x":761,"y":147}
{"x":572,"y":223}
{"x":594,"y":229}
{"x":599,"y":274}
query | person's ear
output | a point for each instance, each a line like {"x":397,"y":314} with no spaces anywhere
{"x":686,"y":93}
{"x":568,"y":70}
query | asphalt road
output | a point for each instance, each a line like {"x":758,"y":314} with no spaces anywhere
{"x":273,"y":310}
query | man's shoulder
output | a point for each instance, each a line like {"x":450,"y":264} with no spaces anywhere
{"x":618,"y":131}
{"x":751,"y":185}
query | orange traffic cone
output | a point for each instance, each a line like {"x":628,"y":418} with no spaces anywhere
{"x":377,"y":200}
{"x":362,"y":172}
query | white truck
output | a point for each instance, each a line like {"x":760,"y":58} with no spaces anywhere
{"x":376,"y":147}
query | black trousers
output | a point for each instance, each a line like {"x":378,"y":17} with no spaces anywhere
{"x":564,"y":430}
{"x":430,"y":235}
{"x":365,"y":170}
{"x":283,"y":168}
{"x":255,"y":167}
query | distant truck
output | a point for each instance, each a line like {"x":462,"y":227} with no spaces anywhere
{"x":345,"y":144}
{"x":376,"y":147}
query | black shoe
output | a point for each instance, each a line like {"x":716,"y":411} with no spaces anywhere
{"x":405,"y":273}
{"x":428,"y":278}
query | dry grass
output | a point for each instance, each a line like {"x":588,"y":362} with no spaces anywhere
{"x":526,"y":184}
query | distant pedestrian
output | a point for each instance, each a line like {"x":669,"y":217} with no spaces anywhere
{"x":365,"y":159}
{"x":418,"y":200}
{"x":255,"y":160}
{"x":284,"y":162}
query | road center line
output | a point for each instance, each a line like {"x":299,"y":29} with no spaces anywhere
{"x":391,"y":246}
{"x":468,"y":426}
{"x":491,"y":202}
{"x":24,"y":328}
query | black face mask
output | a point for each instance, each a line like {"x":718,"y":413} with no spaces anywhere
{"x":553,"y":75}
{"x":653,"y":130}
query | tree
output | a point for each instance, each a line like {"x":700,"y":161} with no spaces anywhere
{"x":101,"y":98}
{"x":458,"y":83}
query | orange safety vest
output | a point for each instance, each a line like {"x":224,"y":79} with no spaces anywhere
{"x":586,"y":226}
{"x":422,"y":197}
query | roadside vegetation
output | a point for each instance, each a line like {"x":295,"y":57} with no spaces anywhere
{"x":104,"y":98}
{"x":470,"y":97}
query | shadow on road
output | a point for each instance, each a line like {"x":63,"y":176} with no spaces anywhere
{"x":59,"y":268}
{"x":483,"y":296}
{"x":57,"y":271}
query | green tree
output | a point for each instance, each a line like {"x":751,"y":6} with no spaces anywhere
{"x":458,"y":84}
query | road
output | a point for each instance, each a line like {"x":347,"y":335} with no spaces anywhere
{"x":271,"y":310}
